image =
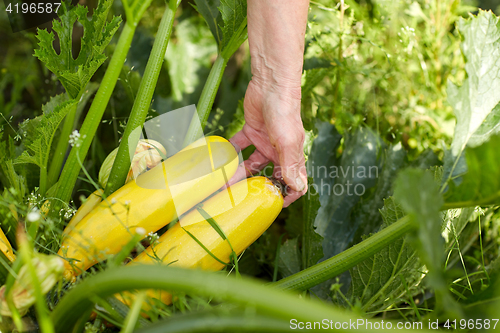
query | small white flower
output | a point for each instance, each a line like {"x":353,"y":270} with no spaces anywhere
{"x":33,"y":216}
{"x":140,"y":231}
{"x":113,"y":201}
{"x":74,"y":139}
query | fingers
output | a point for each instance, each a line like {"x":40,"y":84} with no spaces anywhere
{"x":292,"y":161}
{"x":255,"y":163}
{"x":240,"y":140}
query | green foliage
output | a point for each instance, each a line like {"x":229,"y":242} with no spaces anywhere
{"x":480,"y":185}
{"x":374,"y":104}
{"x":227,"y":21}
{"x":183,"y":63}
{"x":382,"y":280}
{"x":74,"y":74}
{"x":418,"y":193}
{"x":42,"y":132}
{"x":476,"y":108}
{"x":40,"y":139}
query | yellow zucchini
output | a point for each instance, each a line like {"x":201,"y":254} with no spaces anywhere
{"x":90,"y":203}
{"x":150,"y":202}
{"x":243,"y":212}
{"x":6,"y":248}
{"x":147,"y":156}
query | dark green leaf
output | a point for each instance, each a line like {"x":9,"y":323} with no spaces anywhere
{"x":209,"y":9}
{"x":10,"y":178}
{"x":312,"y":249}
{"x":480,"y":185}
{"x":378,"y":281}
{"x":289,"y":260}
{"x":74,"y":74}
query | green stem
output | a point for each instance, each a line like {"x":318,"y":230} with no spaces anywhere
{"x":142,"y":102}
{"x":71,"y":169}
{"x":206,"y":100}
{"x":62,"y":146}
{"x":134,"y":313}
{"x":346,"y":260}
{"x":262,"y":299}
{"x":218,"y":321}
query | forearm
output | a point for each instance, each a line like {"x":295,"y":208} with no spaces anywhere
{"x":276,"y":33}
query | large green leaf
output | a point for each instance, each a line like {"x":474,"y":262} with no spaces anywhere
{"x":227,"y":19}
{"x":340,"y":181}
{"x":312,"y":250}
{"x":476,"y":102}
{"x":480,"y":185}
{"x":209,"y":9}
{"x":383,"y":279}
{"x":39,"y":141}
{"x":74,"y":74}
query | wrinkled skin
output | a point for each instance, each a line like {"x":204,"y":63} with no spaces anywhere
{"x":276,"y":32}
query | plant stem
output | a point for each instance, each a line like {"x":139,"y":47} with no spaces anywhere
{"x":340,"y":263}
{"x":134,"y":313}
{"x":71,"y":169}
{"x":206,"y":100}
{"x":142,"y":102}
{"x":262,"y":299}
{"x":62,"y":146}
{"x":218,"y":321}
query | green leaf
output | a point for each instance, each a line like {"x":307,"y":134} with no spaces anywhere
{"x":228,"y":28}
{"x":209,"y":9}
{"x":38,"y":144}
{"x":475,"y":103}
{"x":480,"y":185}
{"x":10,"y":178}
{"x":418,"y":194}
{"x":40,"y":141}
{"x":378,"y":282}
{"x":312,"y":249}
{"x":289,"y":258}
{"x":234,"y":15}
{"x":342,"y":182}
{"x":74,"y":74}
{"x":367,"y":214}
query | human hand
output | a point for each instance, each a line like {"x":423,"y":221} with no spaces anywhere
{"x":273,"y":125}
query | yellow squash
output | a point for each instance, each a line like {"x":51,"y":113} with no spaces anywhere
{"x":150,"y":202}
{"x":243,"y":212}
{"x":6,"y":248}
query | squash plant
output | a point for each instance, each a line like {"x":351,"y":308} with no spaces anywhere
{"x":371,"y":252}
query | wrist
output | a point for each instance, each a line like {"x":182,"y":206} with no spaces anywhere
{"x":270,"y":73}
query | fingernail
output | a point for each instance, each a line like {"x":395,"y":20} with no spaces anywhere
{"x":300,"y":184}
